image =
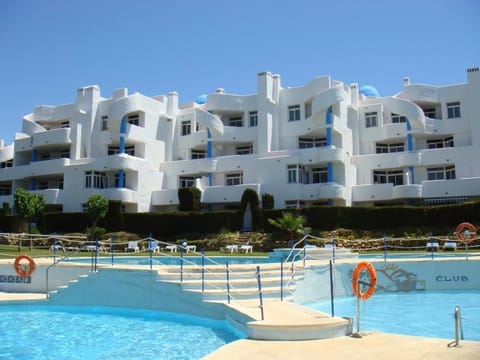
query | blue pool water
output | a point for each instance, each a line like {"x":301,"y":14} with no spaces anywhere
{"x":427,"y":314}
{"x":188,"y":260}
{"x":73,"y":332}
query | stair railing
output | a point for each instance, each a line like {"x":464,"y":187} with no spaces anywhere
{"x":458,"y":327}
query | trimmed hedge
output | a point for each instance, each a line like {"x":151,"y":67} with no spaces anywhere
{"x":321,"y":218}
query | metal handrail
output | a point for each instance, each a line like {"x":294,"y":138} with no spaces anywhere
{"x":458,"y":326}
{"x":55,"y":263}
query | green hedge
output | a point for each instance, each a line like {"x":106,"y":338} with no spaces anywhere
{"x":321,"y":218}
{"x":169,"y":224}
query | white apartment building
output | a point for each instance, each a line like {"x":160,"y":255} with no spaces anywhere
{"x":325,"y":143}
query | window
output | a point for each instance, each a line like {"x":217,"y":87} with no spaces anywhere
{"x":390,"y":148}
{"x":65,"y":154}
{"x":430,"y":113}
{"x":294,"y":113}
{"x":236,"y":121}
{"x":95,"y":179}
{"x":129,"y":150}
{"x":65,"y":124}
{"x":104,"y":123}
{"x":308,"y":110}
{"x":305,"y":143}
{"x":453,"y":110}
{"x":295,"y":174}
{"x":244,"y":150}
{"x":234,"y":179}
{"x":371,"y":119}
{"x":388,"y":176}
{"x":440,"y":143}
{"x":6,"y":164}
{"x":396,"y":119}
{"x":45,"y":157}
{"x":198,"y":154}
{"x":252,"y":118}
{"x":441,"y":173}
{"x":294,"y":204}
{"x":43,"y":185}
{"x":60,"y":183}
{"x":186,"y":127}
{"x":5,"y":189}
{"x":133,"y":119}
{"x":319,"y":175}
{"x":186,"y":181}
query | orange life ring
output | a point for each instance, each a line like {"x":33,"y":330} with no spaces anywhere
{"x":364,"y":265}
{"x":466,"y":232}
{"x":23,"y":270}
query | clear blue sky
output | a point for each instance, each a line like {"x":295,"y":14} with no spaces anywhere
{"x":50,"y":48}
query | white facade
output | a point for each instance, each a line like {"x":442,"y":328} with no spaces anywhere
{"x":325,"y":143}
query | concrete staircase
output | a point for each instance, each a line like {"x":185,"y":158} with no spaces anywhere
{"x":62,"y":288}
{"x":243,"y":282}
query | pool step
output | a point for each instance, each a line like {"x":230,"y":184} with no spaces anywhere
{"x":174,"y":276}
{"x":246,"y":293}
{"x":243,"y":282}
{"x":70,"y":283}
{"x":234,"y":284}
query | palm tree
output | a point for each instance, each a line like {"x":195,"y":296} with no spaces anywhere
{"x":289,"y":222}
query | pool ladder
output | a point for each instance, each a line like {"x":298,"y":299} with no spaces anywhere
{"x":458,"y":326}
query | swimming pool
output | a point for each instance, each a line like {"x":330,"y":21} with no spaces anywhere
{"x":426,"y":314}
{"x":76,"y":332}
{"x":175,"y":260}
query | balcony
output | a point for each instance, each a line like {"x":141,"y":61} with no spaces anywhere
{"x":447,"y":188}
{"x":119,"y":194}
{"x":227,"y":194}
{"x":407,"y":191}
{"x":123,"y":161}
{"x":323,"y":191}
{"x":439,"y":156}
{"x":51,"y":196}
{"x":46,"y":167}
{"x":23,"y":144}
{"x":322,"y":155}
{"x":51,"y":138}
{"x":224,"y":103}
{"x":373,"y":192}
{"x":164,"y":197}
{"x":387,"y":160}
{"x":236,"y":134}
{"x":189,"y":166}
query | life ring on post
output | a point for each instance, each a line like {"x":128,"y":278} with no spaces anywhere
{"x":24,"y":270}
{"x":466,"y":232}
{"x":364,"y":265}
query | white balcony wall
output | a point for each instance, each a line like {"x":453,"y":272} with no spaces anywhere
{"x":51,"y":196}
{"x":446,"y":188}
{"x":6,"y":153}
{"x":407,"y":191}
{"x":323,"y":191}
{"x":52,"y":113}
{"x":23,"y":144}
{"x":52,"y":137}
{"x":236,"y":134}
{"x":377,"y":192}
{"x":224,"y":103}
{"x":165,"y":197}
{"x":227,"y":194}
{"x":46,"y":167}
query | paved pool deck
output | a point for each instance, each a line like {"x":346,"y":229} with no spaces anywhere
{"x":371,"y":346}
